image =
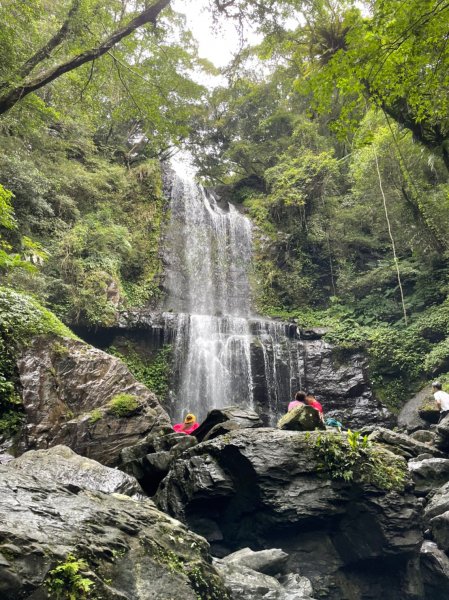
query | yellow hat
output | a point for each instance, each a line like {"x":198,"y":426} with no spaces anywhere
{"x":190,"y":418}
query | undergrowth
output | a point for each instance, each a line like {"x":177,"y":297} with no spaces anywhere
{"x":353,"y":457}
{"x":67,"y":581}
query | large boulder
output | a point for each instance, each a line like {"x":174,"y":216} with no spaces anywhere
{"x":149,"y":460}
{"x":434,"y":566}
{"x":127,"y":548}
{"x":245,"y":583}
{"x":81,"y":397}
{"x":409,"y":417}
{"x":66,"y":467}
{"x":271,"y":561}
{"x":222,"y":420}
{"x":402,"y":444}
{"x":267,"y":488}
{"x":442,"y":434}
{"x":340,"y":381}
{"x":429,"y":474}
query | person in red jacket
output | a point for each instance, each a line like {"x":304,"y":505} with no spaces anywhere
{"x":313,"y":402}
{"x":188,"y":426}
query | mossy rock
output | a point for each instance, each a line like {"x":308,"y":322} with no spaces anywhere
{"x":301,"y":418}
{"x":428,"y":411}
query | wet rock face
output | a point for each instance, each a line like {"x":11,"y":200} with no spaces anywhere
{"x":66,"y":467}
{"x":68,"y":387}
{"x":222,"y":420}
{"x":132,"y":551}
{"x":262,"y":488}
{"x":339,"y":381}
{"x":284,"y":361}
{"x":149,"y":461}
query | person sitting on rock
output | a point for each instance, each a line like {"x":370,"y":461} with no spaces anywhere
{"x":441,"y":399}
{"x":300,"y":399}
{"x":313,"y":402}
{"x":189,"y":425}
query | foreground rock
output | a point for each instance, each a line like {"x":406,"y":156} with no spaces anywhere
{"x":263,"y":488}
{"x":434,"y":565}
{"x":66,"y":467}
{"x":252,"y":575}
{"x":69,"y":391}
{"x":131,"y":550}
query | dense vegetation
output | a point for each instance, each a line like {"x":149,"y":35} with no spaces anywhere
{"x":332,"y":134}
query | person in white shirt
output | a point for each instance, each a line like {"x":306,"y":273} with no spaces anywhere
{"x":441,"y":398}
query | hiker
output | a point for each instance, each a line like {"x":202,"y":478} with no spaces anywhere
{"x":313,"y":402}
{"x":441,"y":399}
{"x":189,"y":425}
{"x":300,"y":399}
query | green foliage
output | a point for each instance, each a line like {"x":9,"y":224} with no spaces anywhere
{"x":352,"y":457}
{"x":397,"y":58}
{"x":6,"y":210}
{"x":67,"y":580}
{"x":122,"y":405}
{"x":155,"y":374}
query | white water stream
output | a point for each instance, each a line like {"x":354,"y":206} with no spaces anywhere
{"x":208,"y":257}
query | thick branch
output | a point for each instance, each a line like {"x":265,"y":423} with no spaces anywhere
{"x":431,"y":135}
{"x":53,"y":43}
{"x":9,"y":98}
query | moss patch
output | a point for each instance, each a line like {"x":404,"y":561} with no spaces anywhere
{"x":123,"y":405}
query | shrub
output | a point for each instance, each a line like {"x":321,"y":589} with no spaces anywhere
{"x":66,"y":581}
{"x":122,"y":405}
{"x":355,"y":458}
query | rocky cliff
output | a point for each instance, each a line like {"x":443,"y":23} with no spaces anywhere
{"x":76,"y":395}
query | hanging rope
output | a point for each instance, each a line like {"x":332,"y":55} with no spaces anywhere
{"x":393,"y":245}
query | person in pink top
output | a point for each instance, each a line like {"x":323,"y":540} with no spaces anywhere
{"x":188,"y":426}
{"x":300,"y":399}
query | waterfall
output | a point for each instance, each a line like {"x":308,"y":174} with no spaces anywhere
{"x":207,"y":254}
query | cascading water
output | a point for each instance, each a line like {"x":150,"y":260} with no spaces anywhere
{"x":208,"y":311}
{"x":208,"y":253}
